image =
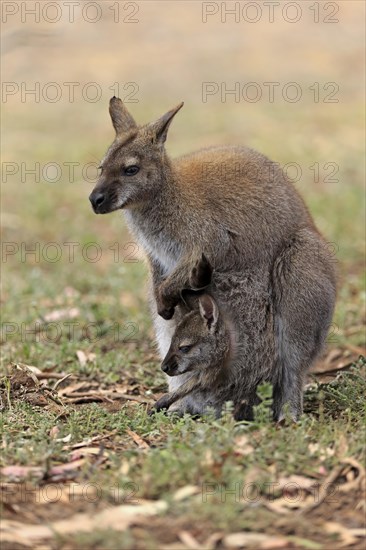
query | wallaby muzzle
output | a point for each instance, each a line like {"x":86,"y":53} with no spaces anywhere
{"x":97,"y":199}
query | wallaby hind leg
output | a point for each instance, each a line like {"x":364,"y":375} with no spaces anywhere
{"x":304,"y":289}
{"x":244,"y":409}
{"x":288,"y":392}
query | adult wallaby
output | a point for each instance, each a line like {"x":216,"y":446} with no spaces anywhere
{"x":240,"y":210}
{"x":226,"y":344}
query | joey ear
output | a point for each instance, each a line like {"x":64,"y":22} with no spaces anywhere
{"x":121,"y":119}
{"x":209,"y":311}
{"x":160,"y":127}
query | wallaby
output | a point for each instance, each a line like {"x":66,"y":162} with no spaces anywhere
{"x":239,"y":209}
{"x":200,"y":346}
{"x":228,"y":349}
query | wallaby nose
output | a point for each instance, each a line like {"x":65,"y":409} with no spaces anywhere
{"x":96,"y":199}
{"x":165,"y":367}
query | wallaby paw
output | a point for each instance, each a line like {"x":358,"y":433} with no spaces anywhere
{"x":166,"y":303}
{"x":283,"y":421}
{"x":201,"y":274}
{"x":166,"y":314}
{"x":162,"y":403}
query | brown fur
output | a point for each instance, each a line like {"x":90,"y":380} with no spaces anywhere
{"x":240,"y":210}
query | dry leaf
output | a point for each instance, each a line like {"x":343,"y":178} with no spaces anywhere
{"x":189,"y":541}
{"x":63,"y":493}
{"x":277,"y":506}
{"x":70,"y":292}
{"x":65,"y":439}
{"x":345,"y":535}
{"x":358,"y":532}
{"x":85,"y":357}
{"x":296,"y":482}
{"x":274,"y":543}
{"x":299,"y":502}
{"x":18,"y":473}
{"x":60,"y":314}
{"x":337,"y":472}
{"x":54,"y":431}
{"x":185,"y":492}
{"x":242,"y":446}
{"x":124,"y":468}
{"x":35,"y":370}
{"x":118,"y":518}
{"x":15,"y":539}
{"x":87,"y":451}
{"x":251,"y":540}
{"x":356,"y":478}
{"x":22,"y":376}
{"x":90,"y":440}
{"x":211,"y":542}
{"x":208,"y":458}
{"x":82,"y":357}
{"x":31,"y":533}
{"x":69,"y":466}
{"x":173,"y":546}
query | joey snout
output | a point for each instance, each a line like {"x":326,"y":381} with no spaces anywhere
{"x":170,"y":366}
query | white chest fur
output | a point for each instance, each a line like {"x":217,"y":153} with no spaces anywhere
{"x":159,"y":247}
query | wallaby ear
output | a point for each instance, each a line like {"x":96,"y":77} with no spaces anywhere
{"x":161,"y":126}
{"x":209,"y":311}
{"x":121,"y":119}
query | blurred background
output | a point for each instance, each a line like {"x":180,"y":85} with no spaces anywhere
{"x":286,"y":78}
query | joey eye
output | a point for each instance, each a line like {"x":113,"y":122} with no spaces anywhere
{"x":185,"y":349}
{"x":131,"y":170}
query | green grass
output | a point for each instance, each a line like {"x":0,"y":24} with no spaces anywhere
{"x":204,"y":453}
{"x":175,"y":457}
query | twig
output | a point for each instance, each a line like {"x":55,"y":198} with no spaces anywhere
{"x":62,"y":378}
{"x":138,"y":439}
{"x":333,"y":476}
{"x":48,"y":375}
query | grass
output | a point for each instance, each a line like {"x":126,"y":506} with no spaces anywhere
{"x":206,"y":454}
{"x":231,"y":464}
{"x":176,"y":449}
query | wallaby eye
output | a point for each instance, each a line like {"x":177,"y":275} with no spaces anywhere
{"x":185,"y":349}
{"x":131,"y":170}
